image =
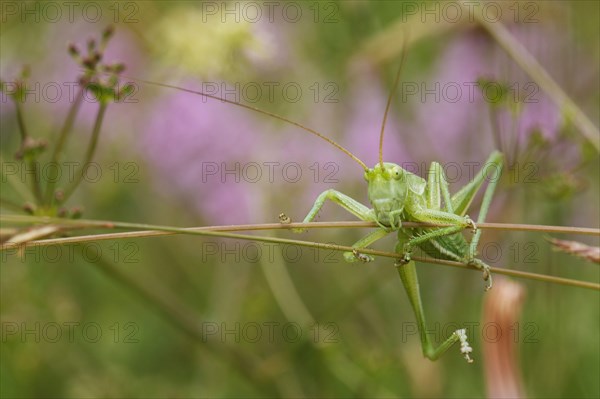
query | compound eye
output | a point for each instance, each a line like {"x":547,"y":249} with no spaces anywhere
{"x":396,"y":173}
{"x":366,"y":176}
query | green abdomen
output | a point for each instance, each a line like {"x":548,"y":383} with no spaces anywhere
{"x":452,"y":247}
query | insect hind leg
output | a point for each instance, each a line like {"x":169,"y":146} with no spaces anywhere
{"x":408,"y":275}
{"x":437,"y":189}
{"x":363,"y":243}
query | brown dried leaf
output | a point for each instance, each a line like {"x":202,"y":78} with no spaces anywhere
{"x":577,"y":248}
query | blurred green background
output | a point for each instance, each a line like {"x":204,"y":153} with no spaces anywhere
{"x":74,"y":322}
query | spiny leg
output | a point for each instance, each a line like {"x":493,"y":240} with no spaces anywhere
{"x":463,"y":198}
{"x":431,"y":211}
{"x":436,"y":186}
{"x":415,"y":241}
{"x":435,"y":216}
{"x":425,"y":215}
{"x":357,"y":209}
{"x":363,"y":243}
{"x":408,"y":275}
{"x":351,"y":205}
{"x":461,"y":201}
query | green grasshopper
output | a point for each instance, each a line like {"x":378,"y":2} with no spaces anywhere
{"x":398,"y":195}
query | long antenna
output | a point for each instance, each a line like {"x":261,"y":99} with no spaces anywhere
{"x":389,"y":101}
{"x":281,"y":118}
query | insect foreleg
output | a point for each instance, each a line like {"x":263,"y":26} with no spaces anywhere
{"x":357,"y":209}
{"x":395,"y":219}
{"x":363,"y":243}
{"x":408,"y":275}
{"x":351,"y":205}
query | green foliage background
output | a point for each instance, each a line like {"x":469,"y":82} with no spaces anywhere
{"x":364,"y":305}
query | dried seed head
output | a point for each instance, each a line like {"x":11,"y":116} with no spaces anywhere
{"x":29,"y":208}
{"x":88,"y":63}
{"x":76,"y":212}
{"x":73,"y":50}
{"x":108,"y":32}
{"x":118,"y":67}
{"x":91,"y":44}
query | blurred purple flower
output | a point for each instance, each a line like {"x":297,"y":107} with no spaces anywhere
{"x":184,"y":133}
{"x":455,"y":120}
{"x":123,"y":47}
{"x":452,"y":110}
{"x":56,"y":76}
{"x":53,"y":83}
{"x":185,"y":139}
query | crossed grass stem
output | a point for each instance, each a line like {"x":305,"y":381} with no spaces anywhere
{"x":181,"y":317}
{"x":146,"y":230}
